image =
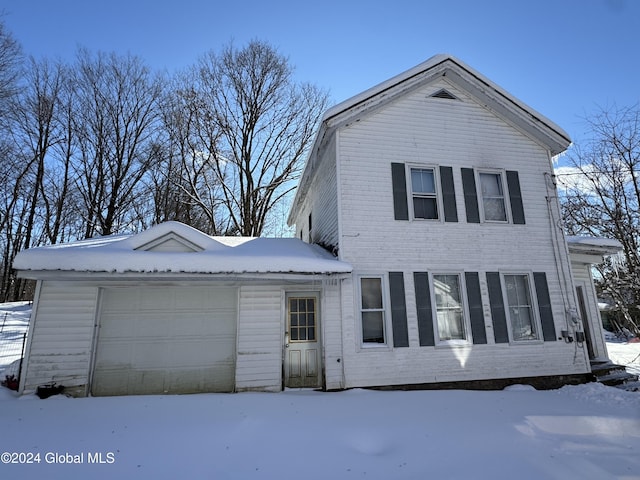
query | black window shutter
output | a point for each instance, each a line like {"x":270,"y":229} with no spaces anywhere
{"x":544,"y":306}
{"x":423,"y":307}
{"x":498,"y":315}
{"x":399,"y":181}
{"x":470,"y":195}
{"x":476,"y":314}
{"x":448,"y":194}
{"x":398,"y":310}
{"x":515,"y":197}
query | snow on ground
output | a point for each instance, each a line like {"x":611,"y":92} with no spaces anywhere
{"x":577,"y":432}
{"x":14,"y":320}
{"x":583,"y":432}
{"x":624,"y":352}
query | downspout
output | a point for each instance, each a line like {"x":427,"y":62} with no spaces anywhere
{"x":563,"y":261}
{"x":94,"y":340}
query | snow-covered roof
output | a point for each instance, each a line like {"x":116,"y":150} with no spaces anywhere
{"x":593,"y":245}
{"x":173,"y":247}
{"x":430,"y":64}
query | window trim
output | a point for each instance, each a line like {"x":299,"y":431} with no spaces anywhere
{"x":533,"y":295}
{"x":466,"y":320}
{"x":506,"y":198}
{"x":437,"y":187}
{"x":386,"y":313}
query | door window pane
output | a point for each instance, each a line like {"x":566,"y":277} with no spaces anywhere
{"x":302,"y":319}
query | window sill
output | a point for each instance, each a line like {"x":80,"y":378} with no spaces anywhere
{"x":497,"y":222}
{"x":526,"y":342}
{"x":374,"y":347}
{"x":454,"y":344}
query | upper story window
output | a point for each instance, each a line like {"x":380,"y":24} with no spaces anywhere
{"x":423,"y":192}
{"x":493,"y":198}
{"x":428,"y":193}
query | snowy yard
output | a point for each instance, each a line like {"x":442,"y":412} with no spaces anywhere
{"x":578,"y":432}
{"x":14,"y":320}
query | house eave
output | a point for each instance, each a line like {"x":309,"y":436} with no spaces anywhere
{"x":172,"y":277}
{"x":590,"y":250}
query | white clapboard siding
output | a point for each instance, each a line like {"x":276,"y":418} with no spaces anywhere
{"x":322,"y":203}
{"x":432,"y":365}
{"x":416,"y":129}
{"x":61,"y":331}
{"x":260,"y":337}
{"x":332,"y":335}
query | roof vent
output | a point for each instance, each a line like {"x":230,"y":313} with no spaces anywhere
{"x":442,"y":93}
{"x":171,"y":242}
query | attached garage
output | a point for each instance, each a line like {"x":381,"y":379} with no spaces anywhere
{"x":171,"y":310}
{"x":166,"y":339}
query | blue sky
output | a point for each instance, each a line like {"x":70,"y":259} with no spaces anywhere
{"x":564,"y":58}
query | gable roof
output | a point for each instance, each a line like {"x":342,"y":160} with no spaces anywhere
{"x":490,"y":95}
{"x":173,"y":247}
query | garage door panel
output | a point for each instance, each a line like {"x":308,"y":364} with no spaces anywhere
{"x":166,"y":340}
{"x":157,"y":299}
{"x":151,"y":324}
{"x":112,"y":325}
{"x":114,"y":353}
{"x":111,"y":383}
{"x":149,"y":355}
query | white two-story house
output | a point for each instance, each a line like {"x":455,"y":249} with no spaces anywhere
{"x":435,"y":193}
{"x":437,"y":186}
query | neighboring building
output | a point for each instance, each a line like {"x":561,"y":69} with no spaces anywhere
{"x":435,"y":192}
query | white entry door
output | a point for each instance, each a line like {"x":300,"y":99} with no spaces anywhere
{"x":302,"y":361}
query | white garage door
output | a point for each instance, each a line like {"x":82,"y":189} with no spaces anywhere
{"x":165,"y":340}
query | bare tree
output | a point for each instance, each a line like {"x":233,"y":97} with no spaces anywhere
{"x":34,"y":132}
{"x":115,"y":122}
{"x":602,"y":198}
{"x":101,"y":146}
{"x":10,"y":65}
{"x":264,"y":123}
{"x":187,"y":188}
{"x":10,"y":71}
{"x":11,"y":211}
{"x":61,"y":200}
